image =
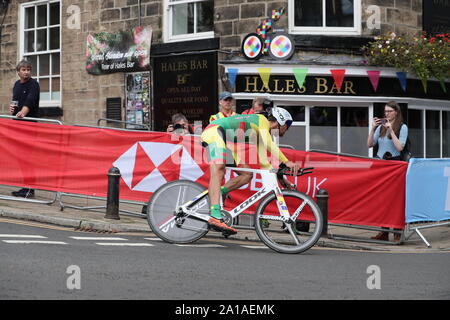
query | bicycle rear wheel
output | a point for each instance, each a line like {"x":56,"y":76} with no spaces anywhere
{"x":161,"y":212}
{"x":285,"y":238}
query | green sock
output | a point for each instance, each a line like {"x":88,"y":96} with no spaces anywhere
{"x":224,"y":190}
{"x":215,"y":211}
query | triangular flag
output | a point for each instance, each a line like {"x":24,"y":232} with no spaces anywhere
{"x":264,"y":73}
{"x":338,"y":75}
{"x":232,"y":73}
{"x":442,"y":82}
{"x":402,"y":78}
{"x":374,"y":77}
{"x":300,"y":76}
{"x":424,"y":84}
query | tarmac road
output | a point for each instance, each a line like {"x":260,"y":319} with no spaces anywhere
{"x":48,"y":262}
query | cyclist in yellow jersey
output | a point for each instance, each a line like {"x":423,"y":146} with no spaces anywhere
{"x":225,"y":107}
{"x":214,"y":137}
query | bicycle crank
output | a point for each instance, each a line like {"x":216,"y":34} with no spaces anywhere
{"x":227,"y":218}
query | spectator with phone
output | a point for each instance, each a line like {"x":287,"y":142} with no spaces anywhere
{"x":390,"y":134}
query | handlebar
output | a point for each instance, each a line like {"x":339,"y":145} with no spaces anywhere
{"x":283,"y":170}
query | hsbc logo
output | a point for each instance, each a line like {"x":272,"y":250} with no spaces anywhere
{"x":148,"y":165}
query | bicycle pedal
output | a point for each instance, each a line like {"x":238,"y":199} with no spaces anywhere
{"x":227,"y":233}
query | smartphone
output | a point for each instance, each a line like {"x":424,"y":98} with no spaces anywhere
{"x":383,"y":121}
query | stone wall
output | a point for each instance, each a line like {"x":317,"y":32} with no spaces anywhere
{"x":234,"y":19}
{"x":83,"y":95}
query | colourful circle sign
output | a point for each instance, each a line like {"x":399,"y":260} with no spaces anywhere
{"x":281,"y":47}
{"x":252,"y":46}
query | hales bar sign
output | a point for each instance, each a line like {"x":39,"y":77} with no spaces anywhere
{"x":326,"y":85}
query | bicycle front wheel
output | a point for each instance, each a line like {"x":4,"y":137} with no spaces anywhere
{"x":289,"y":237}
{"x":162,"y":215}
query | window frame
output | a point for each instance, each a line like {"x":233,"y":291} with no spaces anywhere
{"x":355,"y":30}
{"x":424,"y":109}
{"x":167,"y":22}
{"x":22,"y":54}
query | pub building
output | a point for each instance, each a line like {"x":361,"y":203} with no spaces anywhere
{"x":139,"y":62}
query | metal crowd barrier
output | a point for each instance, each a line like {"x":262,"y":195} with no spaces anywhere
{"x":5,"y":197}
{"x":98,"y":208}
{"x":58,"y":196}
{"x":123,"y":122}
{"x":356,"y":238}
{"x":414,"y":228}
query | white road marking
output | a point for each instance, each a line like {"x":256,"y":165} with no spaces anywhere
{"x":99,"y":238}
{"x":33,"y":242}
{"x":201,"y":245}
{"x":153,"y":239}
{"x":255,"y":247}
{"x":21,"y":236}
{"x":124,"y":244}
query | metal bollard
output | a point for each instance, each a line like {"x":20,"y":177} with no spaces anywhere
{"x":112,"y":203}
{"x":322,"y":202}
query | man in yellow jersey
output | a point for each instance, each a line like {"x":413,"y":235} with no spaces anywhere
{"x":226,"y":102}
{"x":214,"y":138}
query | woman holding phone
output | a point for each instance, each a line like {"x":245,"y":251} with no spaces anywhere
{"x":390,"y":134}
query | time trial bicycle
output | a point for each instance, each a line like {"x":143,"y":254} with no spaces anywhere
{"x":179,"y":210}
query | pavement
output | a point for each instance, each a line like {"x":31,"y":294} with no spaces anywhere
{"x":88,"y":214}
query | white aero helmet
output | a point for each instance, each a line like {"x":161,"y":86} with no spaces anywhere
{"x":282,"y":115}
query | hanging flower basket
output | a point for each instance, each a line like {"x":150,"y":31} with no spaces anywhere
{"x":426,"y":57}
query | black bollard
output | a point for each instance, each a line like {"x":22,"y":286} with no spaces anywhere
{"x":322,"y":202}
{"x":112,"y":203}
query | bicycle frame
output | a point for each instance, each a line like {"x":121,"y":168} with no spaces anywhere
{"x":270,"y":183}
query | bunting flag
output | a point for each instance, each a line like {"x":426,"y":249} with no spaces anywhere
{"x":402,"y":78}
{"x":300,"y":76}
{"x":338,"y":76}
{"x":232,"y":73}
{"x":264,"y":73}
{"x":442,"y":82}
{"x":374,"y":77}
{"x":424,"y":84}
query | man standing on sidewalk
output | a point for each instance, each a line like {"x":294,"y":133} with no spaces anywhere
{"x":26,"y":92}
{"x":226,"y":102}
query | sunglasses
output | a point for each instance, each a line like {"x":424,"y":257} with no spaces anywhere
{"x":228,"y":99}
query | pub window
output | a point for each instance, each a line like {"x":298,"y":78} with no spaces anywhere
{"x":432,"y":133}
{"x":416,"y":132}
{"x":325,"y":17}
{"x":296,"y":136}
{"x":189,"y":19}
{"x":323,"y":128}
{"x":354,"y":122}
{"x":339,"y":129}
{"x":40,"y":29}
{"x":446,"y":134}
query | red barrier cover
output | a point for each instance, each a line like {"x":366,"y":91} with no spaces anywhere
{"x":76,"y":159}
